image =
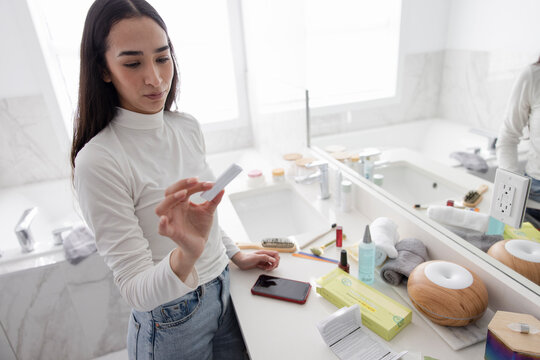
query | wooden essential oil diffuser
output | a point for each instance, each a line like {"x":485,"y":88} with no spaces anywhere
{"x":446,"y":293}
{"x":522,"y":256}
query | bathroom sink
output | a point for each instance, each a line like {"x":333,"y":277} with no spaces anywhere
{"x":276,"y":211}
{"x":414,"y":185}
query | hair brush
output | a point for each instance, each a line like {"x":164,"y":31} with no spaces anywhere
{"x":473,"y":197}
{"x":276,"y":244}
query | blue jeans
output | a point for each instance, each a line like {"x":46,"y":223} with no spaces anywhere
{"x":533,"y":215}
{"x":534,"y":194}
{"x":199,"y":325}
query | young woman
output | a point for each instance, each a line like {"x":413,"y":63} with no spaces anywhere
{"x":523,"y":112}
{"x":136,"y":168}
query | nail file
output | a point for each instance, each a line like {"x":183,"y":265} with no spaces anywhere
{"x":222,"y":181}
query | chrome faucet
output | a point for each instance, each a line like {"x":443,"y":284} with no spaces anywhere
{"x":491,"y":139}
{"x":321,"y":176}
{"x":22,"y":229}
{"x":57,"y":234}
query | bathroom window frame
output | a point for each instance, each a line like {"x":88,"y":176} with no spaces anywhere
{"x":51,"y":52}
{"x":372,"y":100}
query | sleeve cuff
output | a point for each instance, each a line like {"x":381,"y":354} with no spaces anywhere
{"x":232,"y":252}
{"x":192,"y":280}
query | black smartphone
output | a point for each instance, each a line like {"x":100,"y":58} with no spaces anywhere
{"x":282,"y":289}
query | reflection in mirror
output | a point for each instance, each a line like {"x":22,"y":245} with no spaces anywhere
{"x":436,"y":132}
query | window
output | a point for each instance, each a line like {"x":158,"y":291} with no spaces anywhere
{"x":201,"y":35}
{"x":352,"y":50}
{"x":342,"y":51}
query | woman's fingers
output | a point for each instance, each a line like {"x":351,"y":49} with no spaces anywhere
{"x":181,"y":184}
{"x":272,"y":253}
{"x":269,"y":259}
{"x":173,"y":199}
{"x":212,"y":204}
{"x":163,"y":225}
{"x":192,"y":185}
{"x":202,"y":186}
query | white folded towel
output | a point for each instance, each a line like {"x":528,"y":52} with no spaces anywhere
{"x":461,"y":218}
{"x":79,"y":244}
{"x":385,"y":236}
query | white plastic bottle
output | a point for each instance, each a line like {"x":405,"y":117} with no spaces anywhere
{"x":346,"y":196}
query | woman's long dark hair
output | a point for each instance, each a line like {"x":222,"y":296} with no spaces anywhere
{"x":97,"y":98}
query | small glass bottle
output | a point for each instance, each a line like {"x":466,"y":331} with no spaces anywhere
{"x":339,"y":239}
{"x":290,"y":164}
{"x":356,"y":164}
{"x":301,"y":169}
{"x":278,"y":175}
{"x":368,"y":168}
{"x":343,"y":265}
{"x":366,"y":259}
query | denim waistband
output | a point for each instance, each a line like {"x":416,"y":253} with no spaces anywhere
{"x":219,"y":278}
{"x":199,"y":291}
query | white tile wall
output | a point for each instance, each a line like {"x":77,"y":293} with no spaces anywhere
{"x":469,"y":87}
{"x":29,"y":150}
{"x":476,"y":85}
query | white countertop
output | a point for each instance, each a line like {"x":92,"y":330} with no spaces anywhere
{"x":275,"y":329}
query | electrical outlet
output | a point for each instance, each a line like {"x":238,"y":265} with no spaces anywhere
{"x":510,"y":193}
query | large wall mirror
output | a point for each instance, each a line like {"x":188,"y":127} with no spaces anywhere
{"x":445,"y":82}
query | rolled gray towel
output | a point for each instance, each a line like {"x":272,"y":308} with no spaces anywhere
{"x":480,"y":240}
{"x":411,"y":253}
{"x":470,"y":161}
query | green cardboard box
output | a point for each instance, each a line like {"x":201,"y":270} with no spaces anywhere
{"x":381,"y":314}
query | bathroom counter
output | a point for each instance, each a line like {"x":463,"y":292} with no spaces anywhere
{"x":275,"y":329}
{"x":279,"y":329}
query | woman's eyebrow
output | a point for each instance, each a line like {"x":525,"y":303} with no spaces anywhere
{"x":138,"y":52}
{"x":163,"y":48}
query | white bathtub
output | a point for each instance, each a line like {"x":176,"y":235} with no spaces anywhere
{"x":433,"y":138}
{"x":50,"y":309}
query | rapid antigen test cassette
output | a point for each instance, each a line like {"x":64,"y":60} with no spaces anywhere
{"x":222,"y":181}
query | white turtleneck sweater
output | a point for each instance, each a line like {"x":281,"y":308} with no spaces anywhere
{"x":523,"y":111}
{"x":120,"y":176}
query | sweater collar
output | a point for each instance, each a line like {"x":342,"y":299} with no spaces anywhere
{"x":134,"y":120}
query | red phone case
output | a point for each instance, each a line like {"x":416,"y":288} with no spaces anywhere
{"x":276,"y":296}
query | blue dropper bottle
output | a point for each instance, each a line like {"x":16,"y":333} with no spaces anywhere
{"x":366,"y":259}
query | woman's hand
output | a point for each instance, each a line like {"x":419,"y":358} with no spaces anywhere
{"x":186,"y":223}
{"x":262,"y":259}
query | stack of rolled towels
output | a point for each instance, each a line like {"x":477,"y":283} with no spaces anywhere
{"x":401,"y":256}
{"x":411,"y":252}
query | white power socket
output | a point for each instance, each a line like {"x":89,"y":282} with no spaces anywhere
{"x":510,"y":193}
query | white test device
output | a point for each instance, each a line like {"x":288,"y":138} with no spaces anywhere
{"x":222,"y":181}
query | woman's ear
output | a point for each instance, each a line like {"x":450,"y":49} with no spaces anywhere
{"x":105,"y":75}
